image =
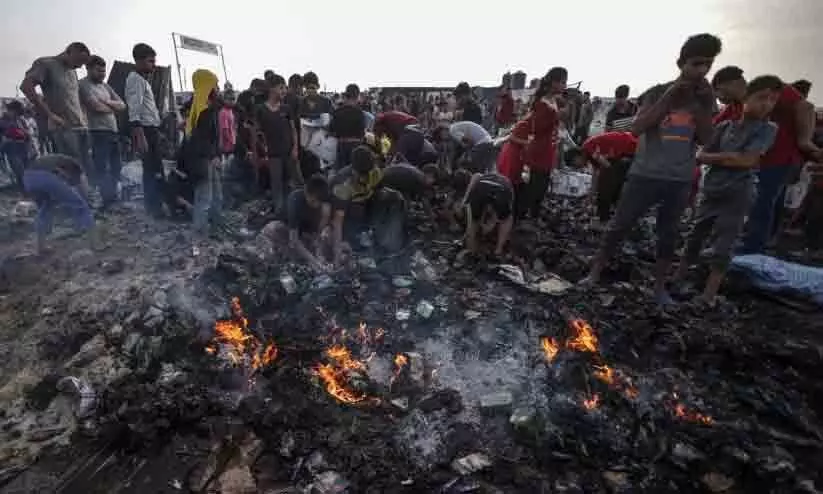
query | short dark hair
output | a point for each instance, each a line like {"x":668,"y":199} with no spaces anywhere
{"x":362,"y":159}
{"x":700,"y":45}
{"x":556,"y":74}
{"x":352,"y":91}
{"x":78,"y":47}
{"x":318,"y":186}
{"x":275,"y":80}
{"x":142,"y":51}
{"x":761,"y":82}
{"x":622,"y":91}
{"x":311,"y":78}
{"x":295,"y":80}
{"x":803,"y":86}
{"x":462,"y":89}
{"x":15,"y":106}
{"x":727,"y":74}
{"x":96,"y":61}
{"x":586,"y":93}
{"x":268,"y":74}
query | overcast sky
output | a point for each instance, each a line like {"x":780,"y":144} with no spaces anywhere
{"x":426,"y":42}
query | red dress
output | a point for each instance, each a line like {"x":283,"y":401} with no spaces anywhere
{"x":510,"y":159}
{"x":541,"y":153}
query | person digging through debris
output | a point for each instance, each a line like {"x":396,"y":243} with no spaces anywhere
{"x":408,"y":143}
{"x":307,"y":224}
{"x":488,"y":205}
{"x":414,"y":183}
{"x":611,"y":156}
{"x":673,"y":117}
{"x":58,"y":180}
{"x":360,"y":205}
{"x":477,"y":152}
{"x":728,"y":187}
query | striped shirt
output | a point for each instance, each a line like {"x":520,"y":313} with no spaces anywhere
{"x":140,"y":100}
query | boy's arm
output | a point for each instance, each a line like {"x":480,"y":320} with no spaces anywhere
{"x":654,"y":108}
{"x":748,"y":157}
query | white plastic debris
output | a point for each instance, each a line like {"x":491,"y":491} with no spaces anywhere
{"x":288,"y":283}
{"x":402,"y":314}
{"x":471,"y":314}
{"x":367,"y":263}
{"x":80,"y":389}
{"x":425,"y":309}
{"x":471,"y":463}
{"x":402,"y":281}
{"x":522,"y":416}
{"x":500,"y":399}
{"x":330,"y":483}
{"x":402,"y":403}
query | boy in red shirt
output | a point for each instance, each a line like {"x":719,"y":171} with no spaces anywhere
{"x":611,"y":155}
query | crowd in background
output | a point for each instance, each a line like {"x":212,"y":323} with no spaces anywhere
{"x":475,"y":164}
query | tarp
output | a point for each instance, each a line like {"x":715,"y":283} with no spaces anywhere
{"x":777,"y":276}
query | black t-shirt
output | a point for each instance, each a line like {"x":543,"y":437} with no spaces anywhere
{"x":415,"y":148}
{"x":312,"y":106}
{"x":348,"y":122}
{"x":620,"y":119}
{"x":276,"y":127}
{"x":404,"y":178}
{"x":472,"y":112}
{"x":301,"y":216}
{"x":494,"y":190}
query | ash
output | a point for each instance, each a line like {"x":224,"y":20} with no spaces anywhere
{"x":107,"y":384}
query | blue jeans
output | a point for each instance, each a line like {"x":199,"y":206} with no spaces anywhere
{"x":208,"y":198}
{"x":770,"y":186}
{"x":49,"y":191}
{"x":105,"y":146}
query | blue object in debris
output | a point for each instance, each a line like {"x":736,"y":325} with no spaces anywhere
{"x":778,"y":276}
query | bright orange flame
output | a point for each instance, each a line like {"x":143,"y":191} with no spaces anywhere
{"x":691,"y":416}
{"x":604,"y":373}
{"x":335,"y":380}
{"x":592,"y":402}
{"x":400,"y":362}
{"x":239,"y":343}
{"x":336,"y":374}
{"x":550,"y":347}
{"x":584,"y":340}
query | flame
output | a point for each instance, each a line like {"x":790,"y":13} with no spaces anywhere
{"x":682,"y":412}
{"x":631,"y":392}
{"x":240,"y":344}
{"x":592,"y":402}
{"x":584,"y":340}
{"x":550,"y":347}
{"x":337,"y":373}
{"x":400,"y":362}
{"x":605,"y":374}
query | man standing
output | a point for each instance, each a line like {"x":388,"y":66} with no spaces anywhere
{"x":60,"y":101}
{"x":101,"y":103}
{"x":468,"y":109}
{"x":144,"y":119}
{"x":673,"y":118}
{"x":348,"y":124}
{"x":619,"y":117}
{"x":584,"y":119}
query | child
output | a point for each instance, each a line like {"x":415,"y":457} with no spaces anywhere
{"x":728,"y":188}
{"x":611,"y":155}
{"x":488,"y":203}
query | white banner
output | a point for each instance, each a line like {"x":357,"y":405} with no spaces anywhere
{"x":194,"y":44}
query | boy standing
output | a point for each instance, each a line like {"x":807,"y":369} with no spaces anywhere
{"x":673,"y":117}
{"x":728,"y":188}
{"x":280,"y":137}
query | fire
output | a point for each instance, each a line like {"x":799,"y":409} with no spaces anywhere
{"x":682,"y":412}
{"x":592,"y":402}
{"x":336,"y":374}
{"x":584,"y":340}
{"x":605,"y":374}
{"x":240,"y":345}
{"x":550,"y":347}
{"x":400,"y":362}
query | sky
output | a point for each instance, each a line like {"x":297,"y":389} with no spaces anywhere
{"x":603,"y":43}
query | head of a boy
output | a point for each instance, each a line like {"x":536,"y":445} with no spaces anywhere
{"x":311,"y":83}
{"x":729,"y":85}
{"x":362,"y":163}
{"x":277,"y":87}
{"x":697,"y":56}
{"x":352,"y":94}
{"x":317,"y":190}
{"x":762,"y":94}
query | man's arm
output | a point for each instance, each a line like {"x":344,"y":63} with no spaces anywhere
{"x":730,"y":159}
{"x":34,"y":77}
{"x":804,"y":123}
{"x":297,"y":244}
{"x":504,"y":231}
{"x":471,"y":230}
{"x":114,"y":102}
{"x":653,"y":109}
{"x":134,"y":97}
{"x":91,"y":100}
{"x":337,"y":235}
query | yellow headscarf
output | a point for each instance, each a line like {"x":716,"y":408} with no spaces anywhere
{"x":203,"y":81}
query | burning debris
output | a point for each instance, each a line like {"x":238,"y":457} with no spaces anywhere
{"x":239,"y":345}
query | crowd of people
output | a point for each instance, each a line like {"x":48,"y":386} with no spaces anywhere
{"x":440,"y":152}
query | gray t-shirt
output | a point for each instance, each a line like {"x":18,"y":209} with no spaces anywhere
{"x":667,"y":152}
{"x":100,"y":91}
{"x":747,"y":136}
{"x":475,"y":133}
{"x":60,"y":90}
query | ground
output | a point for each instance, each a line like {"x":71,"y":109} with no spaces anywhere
{"x":691,"y":399}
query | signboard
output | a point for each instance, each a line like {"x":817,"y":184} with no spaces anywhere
{"x":194,"y":44}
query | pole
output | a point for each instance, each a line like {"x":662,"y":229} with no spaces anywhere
{"x":223,"y":62}
{"x":177,"y":59}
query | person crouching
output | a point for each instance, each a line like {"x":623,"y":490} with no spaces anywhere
{"x":611,"y":156}
{"x":58,"y":180}
{"x":728,"y":188}
{"x":488,"y":204}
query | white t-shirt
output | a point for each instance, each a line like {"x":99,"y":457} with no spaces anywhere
{"x":475,"y":133}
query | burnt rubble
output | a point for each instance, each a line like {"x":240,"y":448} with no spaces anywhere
{"x":478,"y":382}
